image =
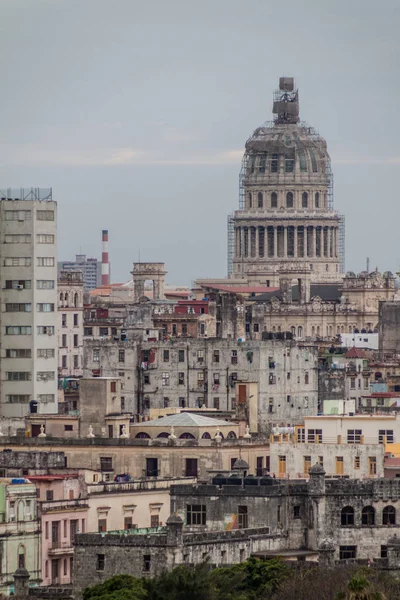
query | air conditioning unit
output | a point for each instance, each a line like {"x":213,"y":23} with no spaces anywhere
{"x":50,"y":333}
{"x":20,"y":286}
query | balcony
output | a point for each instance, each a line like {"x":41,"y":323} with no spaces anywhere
{"x":58,"y":548}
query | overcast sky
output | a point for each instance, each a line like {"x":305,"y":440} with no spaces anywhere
{"x":136,"y":113}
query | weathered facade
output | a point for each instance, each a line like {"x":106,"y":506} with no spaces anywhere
{"x":274,"y":380}
{"x":70,"y":323}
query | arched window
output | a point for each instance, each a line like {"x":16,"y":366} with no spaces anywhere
{"x":368,"y":516}
{"x":76,"y":299}
{"x":389,"y":515}
{"x":289,"y":200}
{"x":142,"y":435}
{"x":326,"y":268}
{"x":46,"y":568}
{"x":250,"y":200}
{"x":21,"y":557}
{"x":206,"y":436}
{"x":61,"y":297}
{"x":299,"y":332}
{"x":186,"y":436}
{"x":304,"y":200}
{"x":260,"y":200}
{"x":66,"y":299}
{"x":163,"y":434}
{"x":293,"y":330}
{"x":231,"y":435}
{"x":316,"y":199}
{"x":313,"y":330}
{"x":330,"y":332}
{"x":274,"y":200}
{"x":317,"y":329}
{"x":306,"y":378}
{"x":347,"y":516}
{"x":65,"y":569}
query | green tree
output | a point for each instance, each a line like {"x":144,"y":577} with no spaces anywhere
{"x":120,"y":587}
{"x":182,"y":583}
{"x":359,"y":588}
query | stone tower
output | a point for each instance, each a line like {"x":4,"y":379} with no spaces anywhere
{"x":286,"y":217}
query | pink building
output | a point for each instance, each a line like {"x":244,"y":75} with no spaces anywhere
{"x":64,"y":511}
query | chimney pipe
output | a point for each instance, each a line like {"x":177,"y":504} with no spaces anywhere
{"x":105,"y":265}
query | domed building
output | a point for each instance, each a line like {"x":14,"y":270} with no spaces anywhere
{"x":286,"y":218}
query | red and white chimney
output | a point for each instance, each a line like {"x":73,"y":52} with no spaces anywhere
{"x":105,"y":265}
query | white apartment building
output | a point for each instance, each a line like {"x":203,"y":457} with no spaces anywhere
{"x":70,"y":324}
{"x":28,"y":315}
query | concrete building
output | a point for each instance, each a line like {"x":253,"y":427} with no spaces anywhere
{"x":90,"y":267}
{"x":389,"y":327}
{"x":70,"y":324}
{"x":19,"y":532}
{"x":263,"y":382}
{"x":29,"y":349}
{"x":226,"y":522}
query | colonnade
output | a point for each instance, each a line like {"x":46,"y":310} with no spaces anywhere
{"x":281,"y":241}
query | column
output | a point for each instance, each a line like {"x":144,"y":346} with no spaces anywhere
{"x":305,"y":241}
{"x":285,"y":239}
{"x":295,"y":241}
{"x":257,"y":242}
{"x":275,"y":230}
{"x":330,"y":242}
{"x":314,"y":231}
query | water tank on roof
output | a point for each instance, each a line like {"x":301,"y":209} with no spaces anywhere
{"x":251,"y":480}
{"x":219,"y":480}
{"x":234,"y":480}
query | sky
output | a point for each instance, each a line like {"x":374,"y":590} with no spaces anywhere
{"x":136,"y":114}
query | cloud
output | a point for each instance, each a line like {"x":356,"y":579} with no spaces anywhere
{"x":365,"y":160}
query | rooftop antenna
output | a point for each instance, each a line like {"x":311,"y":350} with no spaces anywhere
{"x":367,"y":264}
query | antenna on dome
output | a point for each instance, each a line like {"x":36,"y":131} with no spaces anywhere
{"x":367,"y":264}
{"x":286,"y":102}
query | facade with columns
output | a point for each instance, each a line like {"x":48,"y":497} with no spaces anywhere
{"x":286,"y":207}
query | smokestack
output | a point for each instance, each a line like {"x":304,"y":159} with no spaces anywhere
{"x":105,"y":265}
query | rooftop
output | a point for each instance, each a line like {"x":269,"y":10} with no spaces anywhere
{"x":185,"y":420}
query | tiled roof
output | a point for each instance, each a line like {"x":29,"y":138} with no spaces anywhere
{"x":355,"y":353}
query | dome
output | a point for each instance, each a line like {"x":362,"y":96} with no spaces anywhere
{"x":317,"y":470}
{"x":240,"y":465}
{"x":326,"y":545}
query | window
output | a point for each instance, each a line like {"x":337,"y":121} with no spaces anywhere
{"x":216,"y":356}
{"x":372,"y":465}
{"x":45,"y":284}
{"x":76,"y":340}
{"x":356,"y":462}
{"x":234,"y":357}
{"x":68,"y":428}
{"x":18,"y":376}
{"x":96,"y":354}
{"x":49,"y":495}
{"x":243,"y":521}
{"x":14,"y":307}
{"x":389,"y":515}
{"x":165,"y":379}
{"x":260,"y":200}
{"x":45,"y":376}
{"x":106,"y":463}
{"x":18,"y":398}
{"x":181,"y":356}
{"x":347,"y":516}
{"x":12,"y":511}
{"x":354,"y":436}
{"x":146,"y":379}
{"x":388,"y":434}
{"x":275,"y":163}
{"x":304,"y":200}
{"x":353,"y":383}
{"x":282,"y":465}
{"x":200,"y":379}
{"x":44,"y":307}
{"x":368,"y":516}
{"x":200,"y":356}
{"x":88,"y":331}
{"x":44,"y":238}
{"x":181,"y":378}
{"x":250,"y":200}
{"x":216,"y":378}
{"x":316,"y":199}
{"x":75,"y":320}
{"x":103,"y":331}
{"x":347,"y":552}
{"x":306,"y":379}
{"x":45,"y":261}
{"x":274,"y":200}
{"x":128,"y":523}
{"x":312,"y":435}
{"x":45,"y":215}
{"x":76,"y":361}
{"x":151,"y":467}
{"x":21,"y":557}
{"x":191,"y":467}
{"x":64,"y":340}
{"x":45,"y":397}
{"x":154,"y":521}
{"x":17,"y":238}
{"x":146,"y":562}
{"x":166,"y":356}
{"x":18,"y":330}
{"x":18,"y":284}
{"x":216,"y":403}
{"x":182,"y":402}
{"x":18,"y":215}
{"x":101,"y":562}
{"x":45,"y":330}
{"x":113,"y":387}
{"x":64,"y":362}
{"x":18,"y":261}
{"x":296,"y":512}
{"x":196,"y":514}
{"x":306,"y":464}
{"x":289,"y":200}
{"x":383,"y":551}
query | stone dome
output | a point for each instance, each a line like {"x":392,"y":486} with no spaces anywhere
{"x":240,"y":465}
{"x":327,"y":545}
{"x":317,"y":469}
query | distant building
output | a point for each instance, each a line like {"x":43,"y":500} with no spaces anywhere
{"x":70,"y":324}
{"x":28,"y":248}
{"x":90,"y":267}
